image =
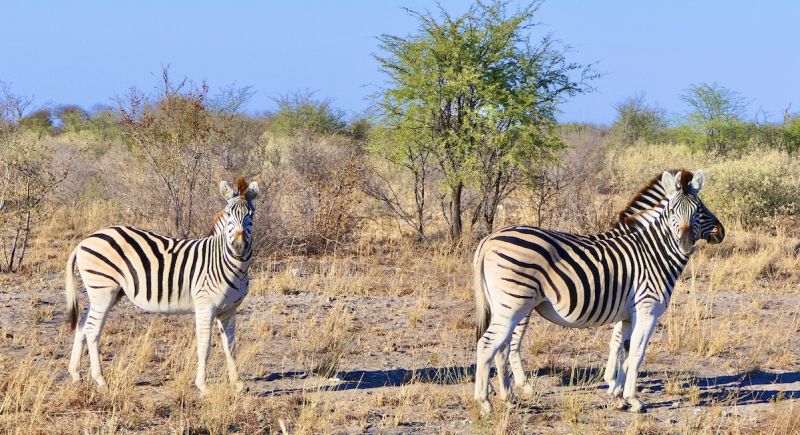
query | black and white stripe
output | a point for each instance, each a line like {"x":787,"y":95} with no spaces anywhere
{"x":207,"y":277}
{"x":625,"y":276}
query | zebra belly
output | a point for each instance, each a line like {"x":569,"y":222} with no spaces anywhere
{"x":546,"y":310}
{"x":184,"y":305}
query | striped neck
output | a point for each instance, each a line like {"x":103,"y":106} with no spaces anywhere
{"x":652,"y":233}
{"x":236,"y":265}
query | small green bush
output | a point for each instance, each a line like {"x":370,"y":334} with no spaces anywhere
{"x":790,"y":136}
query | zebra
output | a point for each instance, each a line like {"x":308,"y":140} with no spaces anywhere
{"x":207,"y":277}
{"x":624,"y":276}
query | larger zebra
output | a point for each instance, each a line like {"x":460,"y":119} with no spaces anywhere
{"x":624,"y":276}
{"x":207,"y":277}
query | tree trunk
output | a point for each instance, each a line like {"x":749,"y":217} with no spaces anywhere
{"x":455,"y":211}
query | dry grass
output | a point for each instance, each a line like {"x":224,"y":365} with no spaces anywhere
{"x":323,"y":345}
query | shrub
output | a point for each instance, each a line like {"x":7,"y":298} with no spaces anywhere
{"x":717,"y":111}
{"x":176,"y":134}
{"x":319,"y":178}
{"x":26,"y":178}
{"x":756,"y":187}
{"x":751,"y":188}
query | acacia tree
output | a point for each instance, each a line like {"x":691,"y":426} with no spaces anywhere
{"x":717,"y":112}
{"x":637,"y":120}
{"x":480,"y":96}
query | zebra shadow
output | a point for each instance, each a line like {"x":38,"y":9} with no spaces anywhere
{"x":741,"y":389}
{"x":746,"y":388}
{"x":453,"y":375}
{"x":368,"y":379}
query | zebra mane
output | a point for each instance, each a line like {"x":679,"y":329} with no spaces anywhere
{"x":650,"y":196}
{"x":215,"y":227}
{"x":241,"y":186}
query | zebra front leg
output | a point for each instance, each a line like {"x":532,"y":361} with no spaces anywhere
{"x":615,"y":368}
{"x":204,"y":316}
{"x":643,"y":325}
{"x":227,"y":333}
{"x":515,"y":358}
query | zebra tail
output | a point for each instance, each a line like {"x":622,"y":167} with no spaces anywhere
{"x":483,"y":309}
{"x":70,"y":291}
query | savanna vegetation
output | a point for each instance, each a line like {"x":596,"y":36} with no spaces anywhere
{"x":360,"y":313}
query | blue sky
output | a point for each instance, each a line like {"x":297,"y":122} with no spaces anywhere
{"x":87,"y":52}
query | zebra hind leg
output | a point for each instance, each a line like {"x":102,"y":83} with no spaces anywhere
{"x":100,"y":303}
{"x":520,"y":377}
{"x":495,"y":338}
{"x":503,"y":373}
{"x":77,"y":349}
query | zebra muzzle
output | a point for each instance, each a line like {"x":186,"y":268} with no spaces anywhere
{"x":686,"y":242}
{"x":717,"y":235}
{"x":239,"y":243}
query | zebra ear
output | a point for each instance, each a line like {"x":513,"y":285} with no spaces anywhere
{"x":226,"y":190}
{"x":697,"y":182}
{"x":252,"y":191}
{"x":670,"y":182}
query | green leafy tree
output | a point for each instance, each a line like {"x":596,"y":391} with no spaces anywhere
{"x":301,"y":111}
{"x":717,"y":112}
{"x":477,"y":94}
{"x":636,"y":120}
{"x":790,"y":135}
{"x":39,"y":121}
{"x":72,"y":118}
{"x":104,"y":123}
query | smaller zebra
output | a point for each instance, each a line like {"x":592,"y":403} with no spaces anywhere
{"x":207,"y":277}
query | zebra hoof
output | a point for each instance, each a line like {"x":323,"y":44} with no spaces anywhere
{"x":241,"y":388}
{"x":622,"y":405}
{"x":617,"y":392}
{"x":76,"y":377}
{"x":637,"y":406}
{"x":486,"y":408}
{"x":101,"y":382}
{"x":527,"y":389}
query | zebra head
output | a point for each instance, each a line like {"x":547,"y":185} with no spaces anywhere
{"x":237,"y":217}
{"x":689,"y":219}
